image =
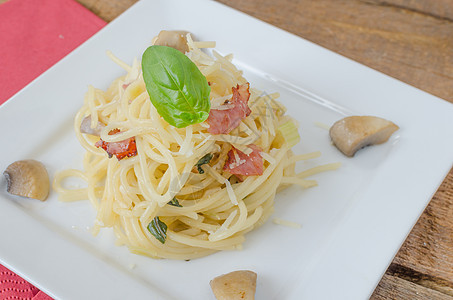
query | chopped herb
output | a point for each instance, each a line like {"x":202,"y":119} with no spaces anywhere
{"x":174,"y":202}
{"x":158,"y":229}
{"x":204,"y":160}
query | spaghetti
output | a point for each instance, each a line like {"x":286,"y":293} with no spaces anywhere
{"x":161,"y":201}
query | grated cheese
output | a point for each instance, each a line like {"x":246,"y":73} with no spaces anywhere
{"x":322,"y":125}
{"x":268,"y":157}
{"x":204,"y":44}
{"x":286,"y":223}
{"x":224,"y":227}
{"x":231,"y":193}
{"x":219,"y":101}
{"x":216,"y":175}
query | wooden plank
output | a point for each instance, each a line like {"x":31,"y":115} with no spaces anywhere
{"x":107,"y":10}
{"x":439,"y":9}
{"x":428,"y":249}
{"x":412,"y":47}
{"x":394,"y":287}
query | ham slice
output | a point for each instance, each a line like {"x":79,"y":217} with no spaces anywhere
{"x":222,"y":121}
{"x":121,"y":149}
{"x":239,"y":163}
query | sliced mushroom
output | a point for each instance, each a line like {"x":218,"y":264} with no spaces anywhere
{"x":85,"y":127}
{"x":27,"y":178}
{"x":235,"y":285}
{"x":353,"y":133}
{"x":175,"y":39}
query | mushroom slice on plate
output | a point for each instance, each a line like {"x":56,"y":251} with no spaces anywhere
{"x":353,"y":133}
{"x":235,"y":285}
{"x":27,"y":178}
{"x":175,"y":39}
{"x":85,"y":127}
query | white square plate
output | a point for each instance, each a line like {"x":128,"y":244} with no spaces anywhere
{"x":352,"y":223}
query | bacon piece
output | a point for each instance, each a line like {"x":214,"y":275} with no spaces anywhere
{"x":239,"y":163}
{"x":222,"y":121}
{"x":121,"y":149}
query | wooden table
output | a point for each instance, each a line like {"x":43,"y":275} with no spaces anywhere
{"x":411,"y":40}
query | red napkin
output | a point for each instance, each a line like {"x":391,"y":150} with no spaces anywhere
{"x":35,"y":35}
{"x":14,"y":287}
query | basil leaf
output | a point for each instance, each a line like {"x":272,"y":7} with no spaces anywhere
{"x":158,"y":229}
{"x":176,"y":87}
{"x":204,"y":160}
{"x":174,"y":202}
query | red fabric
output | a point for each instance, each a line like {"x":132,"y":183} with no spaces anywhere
{"x":35,"y":35}
{"x":14,"y":287}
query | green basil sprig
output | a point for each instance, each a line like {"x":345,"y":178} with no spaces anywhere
{"x":176,"y":87}
{"x":158,"y":229}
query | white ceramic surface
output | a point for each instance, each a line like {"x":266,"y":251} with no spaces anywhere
{"x":353,"y":222}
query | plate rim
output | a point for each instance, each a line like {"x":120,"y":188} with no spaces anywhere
{"x":369,"y":284}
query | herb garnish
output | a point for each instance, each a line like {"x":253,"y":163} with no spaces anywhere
{"x":158,"y":229}
{"x":204,"y":160}
{"x":176,"y":87}
{"x":174,"y":202}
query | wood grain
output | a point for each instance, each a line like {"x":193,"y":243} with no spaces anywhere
{"x":439,"y":9}
{"x":394,"y":287}
{"x":107,"y":10}
{"x":398,"y":40}
{"x":426,"y":257}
